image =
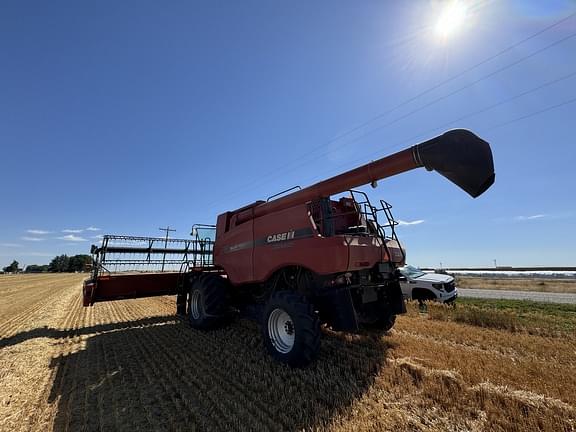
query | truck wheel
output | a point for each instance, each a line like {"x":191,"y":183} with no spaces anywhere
{"x":422,"y":296}
{"x":291,"y":329}
{"x":207,"y":302}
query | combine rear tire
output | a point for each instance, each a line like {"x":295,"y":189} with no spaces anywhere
{"x":384,"y":322}
{"x":207,"y":303}
{"x":376,"y":315}
{"x":291,"y":329}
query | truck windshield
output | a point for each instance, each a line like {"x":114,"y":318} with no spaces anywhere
{"x":411,"y":272}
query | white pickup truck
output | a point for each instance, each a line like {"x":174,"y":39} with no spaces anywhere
{"x":421,"y":286}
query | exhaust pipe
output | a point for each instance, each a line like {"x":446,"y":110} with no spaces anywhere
{"x":461,"y":157}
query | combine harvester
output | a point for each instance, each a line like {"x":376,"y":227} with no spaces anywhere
{"x":295,"y":262}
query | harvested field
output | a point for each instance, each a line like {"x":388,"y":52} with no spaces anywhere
{"x":132,"y":365}
{"x":554,"y":285}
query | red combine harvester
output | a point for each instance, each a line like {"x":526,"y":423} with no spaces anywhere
{"x":295,"y":262}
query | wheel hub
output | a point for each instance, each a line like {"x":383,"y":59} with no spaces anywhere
{"x":281,"y":331}
{"x":289,"y":327}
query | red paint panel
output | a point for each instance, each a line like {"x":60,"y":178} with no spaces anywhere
{"x":233,"y":252}
{"x":365,"y":252}
{"x":321,"y":255}
{"x":113,"y":287}
{"x":289,"y":238}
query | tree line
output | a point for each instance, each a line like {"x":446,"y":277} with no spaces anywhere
{"x":59,"y":264}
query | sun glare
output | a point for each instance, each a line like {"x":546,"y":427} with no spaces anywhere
{"x":452,"y":18}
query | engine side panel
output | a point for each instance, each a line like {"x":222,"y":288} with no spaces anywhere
{"x":290,"y":238}
{"x":252,"y":251}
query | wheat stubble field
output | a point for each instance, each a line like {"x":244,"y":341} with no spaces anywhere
{"x":132,"y":365}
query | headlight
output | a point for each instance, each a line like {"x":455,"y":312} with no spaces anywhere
{"x":438,"y":286}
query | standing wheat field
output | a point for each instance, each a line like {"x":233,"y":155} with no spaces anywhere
{"x":133,"y":365}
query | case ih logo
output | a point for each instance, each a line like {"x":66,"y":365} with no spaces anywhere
{"x":288,"y":235}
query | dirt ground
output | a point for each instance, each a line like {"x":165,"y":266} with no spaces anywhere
{"x":132,"y":365}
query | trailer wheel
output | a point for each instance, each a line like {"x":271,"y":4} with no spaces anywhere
{"x":291,"y":329}
{"x":207,"y":303}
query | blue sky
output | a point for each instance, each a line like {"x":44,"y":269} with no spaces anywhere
{"x":123,"y":117}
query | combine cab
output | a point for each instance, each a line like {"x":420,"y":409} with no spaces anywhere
{"x":323,"y":255}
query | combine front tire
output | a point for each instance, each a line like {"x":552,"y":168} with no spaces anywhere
{"x":207,"y":304}
{"x":291,"y":329}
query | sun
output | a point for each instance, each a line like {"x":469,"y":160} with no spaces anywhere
{"x":452,"y":18}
